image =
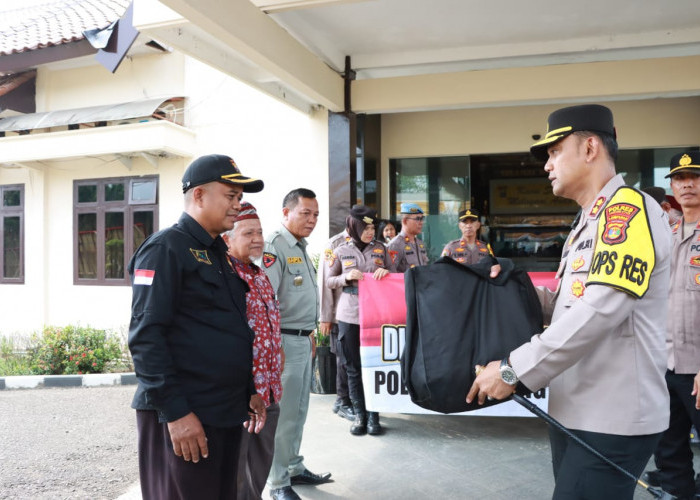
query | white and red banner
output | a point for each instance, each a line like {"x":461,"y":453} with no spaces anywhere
{"x":382,"y":337}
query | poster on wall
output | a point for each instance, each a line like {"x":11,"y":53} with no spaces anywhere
{"x":382,"y":339}
{"x":527,"y":196}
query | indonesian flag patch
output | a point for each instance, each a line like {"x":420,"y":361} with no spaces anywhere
{"x":269,"y":259}
{"x":143,"y":277}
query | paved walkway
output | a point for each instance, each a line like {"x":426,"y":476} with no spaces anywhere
{"x":426,"y":457}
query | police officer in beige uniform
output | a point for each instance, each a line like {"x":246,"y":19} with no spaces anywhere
{"x":345,"y":266}
{"x":406,"y":249}
{"x":674,"y":457}
{"x":468,"y":249}
{"x":603,"y":355}
{"x":293,"y":277}
{"x":329,"y":326}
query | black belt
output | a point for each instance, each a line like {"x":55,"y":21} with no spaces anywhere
{"x":296,"y":331}
{"x":352,"y":290}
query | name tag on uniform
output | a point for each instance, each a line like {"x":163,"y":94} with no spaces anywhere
{"x":294,"y":260}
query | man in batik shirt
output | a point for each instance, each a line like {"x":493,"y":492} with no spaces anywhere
{"x":245,"y":242}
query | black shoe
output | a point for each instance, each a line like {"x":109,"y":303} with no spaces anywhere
{"x":652,"y":477}
{"x":346,"y":411}
{"x":359,"y":424}
{"x":336,"y":406}
{"x":285,"y":493}
{"x":374,"y":428}
{"x":308,"y":477}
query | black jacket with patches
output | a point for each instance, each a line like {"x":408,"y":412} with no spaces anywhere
{"x":458,"y":317}
{"x":189,"y":334}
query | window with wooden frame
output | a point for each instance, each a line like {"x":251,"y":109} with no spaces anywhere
{"x":112,"y":217}
{"x":12,"y":230}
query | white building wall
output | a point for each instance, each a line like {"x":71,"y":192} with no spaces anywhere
{"x":268,"y":139}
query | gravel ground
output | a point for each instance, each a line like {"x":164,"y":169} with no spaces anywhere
{"x":72,"y":443}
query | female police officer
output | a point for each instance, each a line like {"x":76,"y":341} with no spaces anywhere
{"x":359,"y":253}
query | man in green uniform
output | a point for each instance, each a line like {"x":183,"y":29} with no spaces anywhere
{"x":294,"y":279}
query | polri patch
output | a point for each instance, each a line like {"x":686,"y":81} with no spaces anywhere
{"x":577,"y":263}
{"x":617,"y":219}
{"x":201,"y":256}
{"x":329,"y":257}
{"x":269,"y":259}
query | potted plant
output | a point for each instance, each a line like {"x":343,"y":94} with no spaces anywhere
{"x":323,"y":365}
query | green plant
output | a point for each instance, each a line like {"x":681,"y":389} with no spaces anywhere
{"x":14,"y":358}
{"x":321,"y":339}
{"x":74,"y":349}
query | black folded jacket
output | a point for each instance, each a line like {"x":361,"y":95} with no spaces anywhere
{"x":458,"y":317}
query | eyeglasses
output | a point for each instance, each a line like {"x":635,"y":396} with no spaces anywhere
{"x":417,"y":219}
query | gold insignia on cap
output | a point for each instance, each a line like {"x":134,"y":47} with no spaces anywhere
{"x":367,"y":220}
{"x":685,"y":160}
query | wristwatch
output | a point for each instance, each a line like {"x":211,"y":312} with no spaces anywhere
{"x":507,"y":373}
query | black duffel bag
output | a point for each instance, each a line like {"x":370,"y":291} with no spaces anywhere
{"x":458,"y":317}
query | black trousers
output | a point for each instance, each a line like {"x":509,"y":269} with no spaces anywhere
{"x":341,"y":374}
{"x":673,"y":456}
{"x":165,"y":476}
{"x":580,"y":475}
{"x":349,"y":338}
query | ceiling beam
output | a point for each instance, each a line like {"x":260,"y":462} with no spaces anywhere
{"x":271,"y":6}
{"x":599,"y":81}
{"x":260,"y":41}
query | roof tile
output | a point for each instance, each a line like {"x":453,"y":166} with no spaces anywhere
{"x":55,"y":22}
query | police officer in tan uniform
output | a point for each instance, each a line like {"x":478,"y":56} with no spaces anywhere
{"x":406,"y":249}
{"x":345,"y":266}
{"x":468,"y":249}
{"x":674,"y":457}
{"x":329,"y":326}
{"x":603,"y":354}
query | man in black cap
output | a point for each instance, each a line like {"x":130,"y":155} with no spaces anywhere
{"x":469,"y":249}
{"x":603,"y":354}
{"x":191,"y":343}
{"x":674,"y":457}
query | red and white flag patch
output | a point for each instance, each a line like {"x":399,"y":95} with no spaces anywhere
{"x":143,"y":277}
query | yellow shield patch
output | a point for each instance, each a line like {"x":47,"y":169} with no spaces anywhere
{"x":624,"y":255}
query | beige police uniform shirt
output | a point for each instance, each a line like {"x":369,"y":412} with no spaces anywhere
{"x":328,"y":296}
{"x":461,"y":252}
{"x":683,"y":334}
{"x":406,"y":254}
{"x":293,"y":278}
{"x":604,"y":356}
{"x":345,"y":258}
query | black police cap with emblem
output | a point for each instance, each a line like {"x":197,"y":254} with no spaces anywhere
{"x":363,"y":213}
{"x":469,"y":213}
{"x":218,"y":168}
{"x":685,"y":162}
{"x":565,"y":121}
